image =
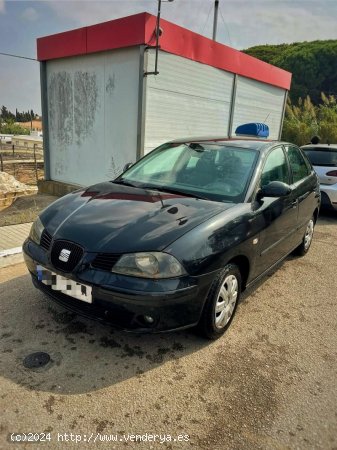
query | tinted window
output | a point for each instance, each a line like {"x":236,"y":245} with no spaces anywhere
{"x":275,"y":168}
{"x":298,"y":166}
{"x":321,"y":156}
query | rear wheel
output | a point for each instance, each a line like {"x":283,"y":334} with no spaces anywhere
{"x":303,"y":248}
{"x":221,"y":303}
{"x":325,"y":201}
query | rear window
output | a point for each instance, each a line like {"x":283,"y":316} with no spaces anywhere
{"x":321,"y":156}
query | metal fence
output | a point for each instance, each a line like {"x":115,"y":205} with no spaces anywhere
{"x":25,"y":164}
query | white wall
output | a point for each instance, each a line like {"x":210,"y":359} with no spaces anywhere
{"x":258,"y":102}
{"x":93,"y":111}
{"x":186,"y":99}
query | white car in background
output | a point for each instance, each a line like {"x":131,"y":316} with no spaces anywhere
{"x":323,"y":157}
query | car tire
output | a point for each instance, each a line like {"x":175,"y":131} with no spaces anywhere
{"x":221,"y":303}
{"x":326,"y":202}
{"x":304,"y":246}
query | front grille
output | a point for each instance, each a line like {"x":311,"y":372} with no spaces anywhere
{"x":74,"y":257}
{"x":105,"y":261}
{"x":45,"y":240}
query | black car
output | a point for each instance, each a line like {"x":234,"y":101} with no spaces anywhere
{"x":174,"y":240}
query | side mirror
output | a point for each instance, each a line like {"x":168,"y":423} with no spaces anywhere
{"x":274,"y":189}
{"x":127,"y":166}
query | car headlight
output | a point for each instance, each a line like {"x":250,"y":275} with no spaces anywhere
{"x":149,"y":265}
{"x":36,"y":231}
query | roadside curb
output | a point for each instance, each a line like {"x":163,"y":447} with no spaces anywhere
{"x":10,"y":257}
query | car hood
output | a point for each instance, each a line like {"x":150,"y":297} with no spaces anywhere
{"x":113,"y":218}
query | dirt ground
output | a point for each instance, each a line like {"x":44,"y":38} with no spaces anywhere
{"x":25,"y":173}
{"x":269,"y":383}
{"x":21,"y":164}
{"x":25,"y":209}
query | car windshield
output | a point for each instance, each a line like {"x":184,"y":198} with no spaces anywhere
{"x":216,"y":171}
{"x":322,"y":156}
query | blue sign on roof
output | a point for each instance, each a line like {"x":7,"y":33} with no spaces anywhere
{"x":253,"y":129}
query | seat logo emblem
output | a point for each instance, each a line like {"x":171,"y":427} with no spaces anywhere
{"x":64,"y":255}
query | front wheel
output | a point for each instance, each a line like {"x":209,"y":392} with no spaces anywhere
{"x":221,"y":303}
{"x":304,"y":246}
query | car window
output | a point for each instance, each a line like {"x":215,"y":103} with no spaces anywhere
{"x":321,"y":156}
{"x":307,"y":161}
{"x":275,"y":168}
{"x":165,"y":164}
{"x":298,"y":166}
{"x":216,"y":171}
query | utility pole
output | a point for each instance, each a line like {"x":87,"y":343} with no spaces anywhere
{"x":215,"y":21}
{"x":157,"y":37}
{"x":158,"y":33}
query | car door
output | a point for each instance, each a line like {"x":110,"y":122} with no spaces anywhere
{"x":303,"y":184}
{"x":277,"y":216}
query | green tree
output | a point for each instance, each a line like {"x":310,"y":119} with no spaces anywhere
{"x":304,"y":120}
{"x":5,"y":114}
{"x":10,"y":127}
{"x":313,"y":65}
{"x":327,"y":119}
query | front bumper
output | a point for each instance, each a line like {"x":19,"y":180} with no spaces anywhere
{"x":125,"y":301}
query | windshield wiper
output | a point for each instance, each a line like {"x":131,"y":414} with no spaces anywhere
{"x":173,"y":191}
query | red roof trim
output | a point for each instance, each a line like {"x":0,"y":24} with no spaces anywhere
{"x":119,"y":33}
{"x":59,"y":45}
{"x":125,"y":32}
{"x":139,"y":29}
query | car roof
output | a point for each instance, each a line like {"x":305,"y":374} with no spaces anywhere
{"x":256,"y":144}
{"x":319,"y":147}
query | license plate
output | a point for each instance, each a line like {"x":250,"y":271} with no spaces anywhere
{"x":65,"y":285}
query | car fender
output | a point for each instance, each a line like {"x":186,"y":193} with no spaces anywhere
{"x":211,"y":245}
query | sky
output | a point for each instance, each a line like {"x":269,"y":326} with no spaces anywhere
{"x":241,"y":24}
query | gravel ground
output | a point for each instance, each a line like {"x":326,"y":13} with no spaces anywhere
{"x":269,"y":383}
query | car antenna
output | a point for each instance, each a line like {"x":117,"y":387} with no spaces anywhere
{"x":266,"y":117}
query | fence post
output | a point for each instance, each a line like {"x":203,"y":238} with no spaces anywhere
{"x":36,"y":174}
{"x":2,"y":163}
